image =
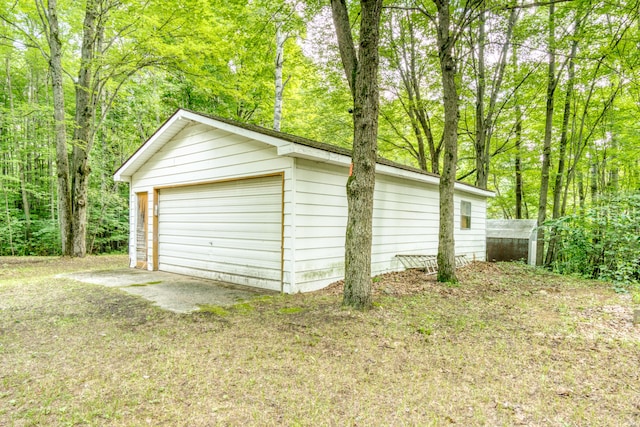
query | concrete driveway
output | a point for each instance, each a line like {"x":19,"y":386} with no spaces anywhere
{"x":174,"y":292}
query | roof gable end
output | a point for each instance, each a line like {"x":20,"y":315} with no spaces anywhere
{"x":174,"y":125}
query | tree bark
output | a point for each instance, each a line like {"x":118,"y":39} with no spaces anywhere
{"x":593,"y":181}
{"x":518,"y":162}
{"x":62,"y":160}
{"x":281,"y":37}
{"x":564,"y":132}
{"x":614,"y":174}
{"x":8,"y":216}
{"x":406,"y":59}
{"x":485,"y":120}
{"x":480,"y":142}
{"x":519,"y":190}
{"x":362,"y":75}
{"x":581,"y":141}
{"x":21,"y":153}
{"x":446,"y":243}
{"x":546,"y":152}
{"x":405,"y":62}
{"x":83,"y":131}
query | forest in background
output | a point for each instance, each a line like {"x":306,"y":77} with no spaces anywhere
{"x":549,"y":98}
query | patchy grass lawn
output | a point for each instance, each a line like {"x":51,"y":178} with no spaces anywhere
{"x":509,"y":346}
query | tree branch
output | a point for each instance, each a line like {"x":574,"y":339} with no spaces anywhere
{"x":345,"y":41}
{"x":535,"y":4}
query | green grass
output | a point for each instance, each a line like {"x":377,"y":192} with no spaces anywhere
{"x":155,"y":282}
{"x":213,"y":309}
{"x":509,"y":346}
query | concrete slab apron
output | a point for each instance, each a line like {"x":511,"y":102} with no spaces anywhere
{"x":174,"y":292}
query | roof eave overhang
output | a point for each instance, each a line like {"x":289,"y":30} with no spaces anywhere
{"x":182,"y":118}
{"x":292,"y":149}
{"x":168,"y":130}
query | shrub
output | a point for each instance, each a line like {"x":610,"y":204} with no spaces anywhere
{"x":603,"y":243}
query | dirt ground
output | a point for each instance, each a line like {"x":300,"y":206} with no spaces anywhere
{"x":508,"y":345}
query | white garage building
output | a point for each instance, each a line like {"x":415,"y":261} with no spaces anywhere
{"x":235,"y":202}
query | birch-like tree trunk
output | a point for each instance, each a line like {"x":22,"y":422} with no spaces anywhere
{"x":361,"y":69}
{"x":281,"y":37}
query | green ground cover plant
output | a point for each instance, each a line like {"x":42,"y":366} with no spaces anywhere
{"x":509,"y":345}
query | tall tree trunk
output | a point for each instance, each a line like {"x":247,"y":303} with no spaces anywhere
{"x":281,"y":37}
{"x":446,"y":243}
{"x":518,"y":162}
{"x":406,"y":62}
{"x":581,"y":192}
{"x":434,"y":149}
{"x":546,"y":151}
{"x":84,"y":131}
{"x":518,"y":144}
{"x":26,"y":207}
{"x":416,"y":108}
{"x":62,"y":159}
{"x":614,"y":174}
{"x":582,"y":140}
{"x":485,"y":120}
{"x":361,"y":70}
{"x":564,"y":132}
{"x":558,"y":189}
{"x":593,"y":181}
{"x":481,"y":170}
{"x":8,"y":216}
{"x":21,"y":153}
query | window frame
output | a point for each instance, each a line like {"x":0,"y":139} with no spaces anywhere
{"x":465,"y":215}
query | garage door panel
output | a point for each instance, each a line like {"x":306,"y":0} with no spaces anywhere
{"x":225,"y":277}
{"x":225,"y":203}
{"x":228,"y":231}
{"x":246,"y":275}
{"x":195,"y":228}
{"x":197,"y":246}
{"x":231,"y":190}
{"x":230,"y":261}
{"x":181,"y":217}
{"x":202,"y":237}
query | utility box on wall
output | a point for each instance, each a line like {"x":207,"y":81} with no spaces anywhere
{"x":511,"y":240}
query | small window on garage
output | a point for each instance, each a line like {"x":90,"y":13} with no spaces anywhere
{"x":465,"y":215}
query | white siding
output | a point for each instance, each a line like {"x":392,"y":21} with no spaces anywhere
{"x":199,"y":154}
{"x":405,"y":221}
{"x":314,"y":216}
{"x":228,"y":231}
{"x":471,"y":242}
{"x":321,"y":219}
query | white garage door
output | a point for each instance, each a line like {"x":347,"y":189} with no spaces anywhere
{"x":229,"y":231}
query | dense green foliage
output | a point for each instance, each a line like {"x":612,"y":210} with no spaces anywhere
{"x":603,"y":242}
{"x":218,"y":58}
